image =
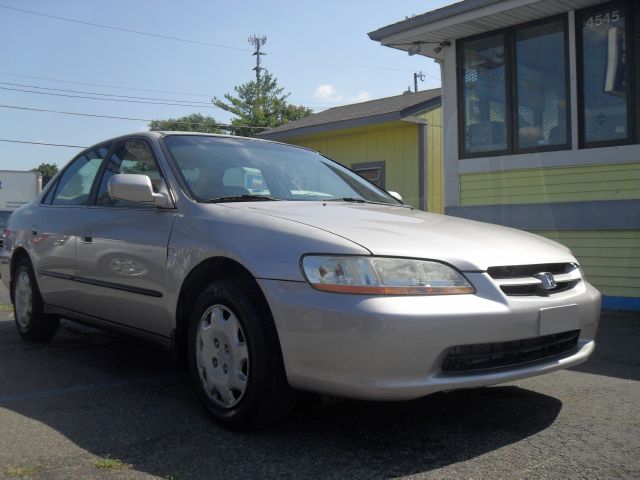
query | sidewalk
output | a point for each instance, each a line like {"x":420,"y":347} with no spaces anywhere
{"x":6,"y":310}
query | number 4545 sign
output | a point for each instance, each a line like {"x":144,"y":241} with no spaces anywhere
{"x":602,"y":19}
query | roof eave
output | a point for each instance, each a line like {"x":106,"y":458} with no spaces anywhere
{"x":429,"y":18}
{"x":465,"y":19}
{"x":327,"y":127}
{"x":408,"y":112}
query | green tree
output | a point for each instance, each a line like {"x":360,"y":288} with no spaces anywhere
{"x":190,"y":123}
{"x":48,"y":170}
{"x":260,"y":105}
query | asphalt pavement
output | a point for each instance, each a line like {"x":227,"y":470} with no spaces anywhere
{"x":91,"y":404}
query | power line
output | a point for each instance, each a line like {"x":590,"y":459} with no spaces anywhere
{"x":108,"y":99}
{"x":114,"y":117}
{"x":194,"y":102}
{"x":11,"y":74}
{"x":185,"y":40}
{"x":41,"y":143}
{"x":190,"y":102}
{"x":128,"y":30}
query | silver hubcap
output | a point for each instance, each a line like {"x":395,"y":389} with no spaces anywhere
{"x":23,"y":298}
{"x":222,"y":356}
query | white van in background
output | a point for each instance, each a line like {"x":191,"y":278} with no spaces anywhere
{"x":17,"y":188}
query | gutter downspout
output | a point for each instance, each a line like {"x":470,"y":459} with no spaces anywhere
{"x":422,"y":166}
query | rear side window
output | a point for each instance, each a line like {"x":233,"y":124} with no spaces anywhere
{"x":132,"y":157}
{"x":74,"y":185}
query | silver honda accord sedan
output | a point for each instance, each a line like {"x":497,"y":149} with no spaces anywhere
{"x":271,"y":269}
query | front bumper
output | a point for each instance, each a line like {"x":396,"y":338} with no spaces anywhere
{"x":392,"y":348}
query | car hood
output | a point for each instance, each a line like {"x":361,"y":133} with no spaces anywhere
{"x":388,"y":230}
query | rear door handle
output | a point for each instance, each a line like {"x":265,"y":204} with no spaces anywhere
{"x":86,"y":236}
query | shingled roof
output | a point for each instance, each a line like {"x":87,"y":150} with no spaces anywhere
{"x":358,"y":114}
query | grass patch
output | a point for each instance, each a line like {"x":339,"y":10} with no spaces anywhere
{"x":27,"y":471}
{"x":109,"y":463}
{"x":6,"y":307}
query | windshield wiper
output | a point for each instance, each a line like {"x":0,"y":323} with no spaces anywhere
{"x":362,"y":200}
{"x":241,"y":198}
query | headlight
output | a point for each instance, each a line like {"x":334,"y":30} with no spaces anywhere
{"x":383,"y":276}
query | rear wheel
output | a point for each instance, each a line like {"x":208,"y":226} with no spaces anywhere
{"x":235,"y":359}
{"x":28,"y":307}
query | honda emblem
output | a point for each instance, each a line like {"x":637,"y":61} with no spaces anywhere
{"x":546,"y":279}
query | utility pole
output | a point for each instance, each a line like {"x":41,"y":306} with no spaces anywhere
{"x":417,"y":76}
{"x":258,"y":42}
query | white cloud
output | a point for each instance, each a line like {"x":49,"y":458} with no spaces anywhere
{"x":326,"y":91}
{"x":329,"y":94}
{"x":361,"y":96}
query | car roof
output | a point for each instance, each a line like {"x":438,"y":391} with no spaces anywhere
{"x":155,"y":135}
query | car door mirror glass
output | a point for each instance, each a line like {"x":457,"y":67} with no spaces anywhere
{"x":396,"y":195}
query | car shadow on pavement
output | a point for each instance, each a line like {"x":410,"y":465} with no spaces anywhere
{"x":617,"y":351}
{"x":113,"y":397}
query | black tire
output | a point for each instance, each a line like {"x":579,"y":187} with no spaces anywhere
{"x":28,"y":309}
{"x":266,"y":397}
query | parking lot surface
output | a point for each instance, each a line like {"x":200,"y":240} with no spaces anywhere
{"x":90,"y":404}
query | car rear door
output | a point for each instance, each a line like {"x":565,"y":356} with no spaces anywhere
{"x":122,"y":248}
{"x":54,"y":226}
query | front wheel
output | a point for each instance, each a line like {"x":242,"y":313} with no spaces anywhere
{"x":28,"y":308}
{"x":235,"y":359}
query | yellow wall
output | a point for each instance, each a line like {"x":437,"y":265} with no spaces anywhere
{"x":435,"y":166}
{"x":395,"y":143}
{"x":565,"y":184}
{"x":609,"y":258}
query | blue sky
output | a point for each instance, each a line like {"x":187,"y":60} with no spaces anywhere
{"x":319,"y":51}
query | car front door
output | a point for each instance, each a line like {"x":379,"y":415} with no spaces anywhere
{"x":122,"y":248}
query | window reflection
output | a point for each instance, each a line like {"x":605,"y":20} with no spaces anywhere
{"x":541,"y":86}
{"x":484,"y":95}
{"x":604,"y":70}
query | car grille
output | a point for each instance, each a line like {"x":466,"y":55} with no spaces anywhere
{"x":520,"y":279}
{"x":486,"y":356}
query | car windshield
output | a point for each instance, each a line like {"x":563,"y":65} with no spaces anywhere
{"x":235,"y":169}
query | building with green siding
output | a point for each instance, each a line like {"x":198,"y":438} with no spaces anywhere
{"x":541,"y":115}
{"x":395,"y":142}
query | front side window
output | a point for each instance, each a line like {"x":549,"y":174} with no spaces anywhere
{"x":133,"y":157}
{"x":484,"y":95}
{"x":74,"y":185}
{"x":541,"y":88}
{"x":604,"y":75}
{"x":216,"y":168}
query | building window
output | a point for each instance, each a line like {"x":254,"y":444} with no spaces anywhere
{"x":372,"y":171}
{"x":607,"y":59}
{"x":541,"y":86}
{"x":484,"y":95}
{"x":514,"y":90}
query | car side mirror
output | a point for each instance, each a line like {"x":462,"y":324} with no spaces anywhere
{"x":136,"y":188}
{"x":396,"y":195}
